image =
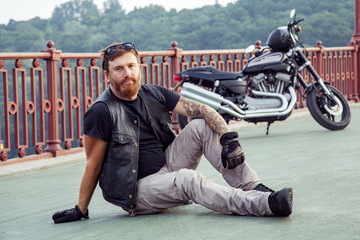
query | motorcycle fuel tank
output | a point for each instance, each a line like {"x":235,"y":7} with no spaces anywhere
{"x":275,"y":61}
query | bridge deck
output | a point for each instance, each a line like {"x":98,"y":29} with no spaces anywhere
{"x":322,"y":166}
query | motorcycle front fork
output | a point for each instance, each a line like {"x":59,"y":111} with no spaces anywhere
{"x":307,"y":64}
{"x":309,"y":87}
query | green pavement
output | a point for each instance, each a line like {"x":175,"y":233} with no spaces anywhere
{"x":322,"y":166}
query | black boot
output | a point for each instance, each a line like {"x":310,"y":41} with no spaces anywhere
{"x":261,"y":187}
{"x":188,"y":202}
{"x":280,"y":202}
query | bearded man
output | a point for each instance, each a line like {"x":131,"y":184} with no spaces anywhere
{"x":143,"y":167}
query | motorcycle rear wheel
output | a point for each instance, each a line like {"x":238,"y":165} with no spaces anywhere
{"x":331,"y":116}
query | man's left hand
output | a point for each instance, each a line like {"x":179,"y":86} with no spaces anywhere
{"x":232,"y":154}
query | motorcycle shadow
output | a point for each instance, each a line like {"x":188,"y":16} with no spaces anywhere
{"x":294,"y":128}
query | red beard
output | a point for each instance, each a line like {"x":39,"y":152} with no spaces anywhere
{"x":127,"y":90}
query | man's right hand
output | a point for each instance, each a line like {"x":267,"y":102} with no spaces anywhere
{"x":70,"y":215}
{"x":232,"y":154}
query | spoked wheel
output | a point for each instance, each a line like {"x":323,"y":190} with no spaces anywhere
{"x":331,"y":114}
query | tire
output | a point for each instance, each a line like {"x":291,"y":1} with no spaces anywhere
{"x":335,"y":117}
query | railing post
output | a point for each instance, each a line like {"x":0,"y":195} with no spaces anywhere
{"x":258,"y":44}
{"x":175,"y":67}
{"x":53,"y":142}
{"x":356,"y":37}
{"x":320,"y":59}
{"x":355,"y":41}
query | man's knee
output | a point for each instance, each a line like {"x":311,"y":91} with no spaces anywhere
{"x":186,"y":177}
{"x":196,"y":124}
{"x":198,"y":127}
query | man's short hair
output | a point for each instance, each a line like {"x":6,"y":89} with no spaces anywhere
{"x":117,"y":50}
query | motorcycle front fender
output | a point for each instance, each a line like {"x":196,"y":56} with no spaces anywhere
{"x":310,"y":87}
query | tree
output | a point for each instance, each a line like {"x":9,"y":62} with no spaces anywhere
{"x":6,"y":38}
{"x":75,"y":37}
{"x":331,"y":32}
{"x":79,"y":26}
{"x":28,"y":38}
{"x":113,"y":9}
{"x":83,"y":11}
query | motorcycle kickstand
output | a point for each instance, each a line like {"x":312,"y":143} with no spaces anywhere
{"x":268,"y":127}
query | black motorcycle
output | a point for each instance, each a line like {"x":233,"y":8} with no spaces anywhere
{"x":264,"y":91}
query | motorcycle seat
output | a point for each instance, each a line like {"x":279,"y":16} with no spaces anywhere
{"x":211,"y":73}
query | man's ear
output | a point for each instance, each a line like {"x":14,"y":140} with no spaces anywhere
{"x":105,"y":73}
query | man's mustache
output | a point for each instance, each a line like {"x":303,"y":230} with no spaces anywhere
{"x":131,"y":78}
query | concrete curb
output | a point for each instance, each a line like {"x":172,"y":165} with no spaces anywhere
{"x":41,"y":163}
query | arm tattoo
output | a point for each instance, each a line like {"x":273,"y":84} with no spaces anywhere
{"x":211,"y":117}
{"x":192,"y":108}
{"x":214,"y":120}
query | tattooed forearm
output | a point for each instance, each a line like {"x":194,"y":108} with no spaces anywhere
{"x":212,"y":118}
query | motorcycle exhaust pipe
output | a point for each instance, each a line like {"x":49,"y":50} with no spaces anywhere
{"x":287,"y":110}
{"x":215,"y":100}
{"x":201,"y":95}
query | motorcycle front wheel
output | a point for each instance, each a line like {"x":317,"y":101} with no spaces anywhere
{"x":333,"y":115}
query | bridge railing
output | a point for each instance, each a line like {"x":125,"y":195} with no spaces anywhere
{"x":44,"y":95}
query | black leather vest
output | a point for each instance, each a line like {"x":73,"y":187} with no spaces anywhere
{"x":119,"y":173}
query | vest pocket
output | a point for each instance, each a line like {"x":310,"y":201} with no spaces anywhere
{"x":122,"y":148}
{"x":117,"y":179}
{"x":119,"y":138}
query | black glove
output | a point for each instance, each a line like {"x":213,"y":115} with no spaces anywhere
{"x":232,"y":154}
{"x":69,"y":215}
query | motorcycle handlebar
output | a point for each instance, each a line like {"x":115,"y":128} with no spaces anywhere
{"x":294,"y":23}
{"x":301,"y":20}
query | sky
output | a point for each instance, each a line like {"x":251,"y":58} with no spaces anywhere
{"x":27,"y":9}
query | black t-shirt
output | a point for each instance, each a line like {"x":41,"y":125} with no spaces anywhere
{"x":97,"y":123}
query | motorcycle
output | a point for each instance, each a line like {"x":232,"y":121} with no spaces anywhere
{"x":264,"y":91}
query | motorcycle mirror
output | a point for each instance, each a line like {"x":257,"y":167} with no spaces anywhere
{"x":292,"y":13}
{"x":249,"y":49}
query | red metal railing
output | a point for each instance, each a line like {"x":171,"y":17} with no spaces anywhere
{"x":51,"y":109}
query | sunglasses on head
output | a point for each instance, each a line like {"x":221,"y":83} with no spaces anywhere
{"x":126,"y":46}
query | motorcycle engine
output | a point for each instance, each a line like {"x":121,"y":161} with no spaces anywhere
{"x":270,"y":82}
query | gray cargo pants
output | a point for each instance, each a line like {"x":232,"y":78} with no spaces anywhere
{"x":178,"y":181}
